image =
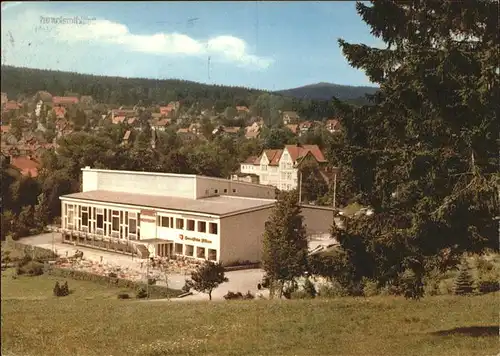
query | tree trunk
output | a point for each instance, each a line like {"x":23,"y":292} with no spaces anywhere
{"x":210,"y":295}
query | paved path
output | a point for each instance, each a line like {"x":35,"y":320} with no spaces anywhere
{"x":239,"y":281}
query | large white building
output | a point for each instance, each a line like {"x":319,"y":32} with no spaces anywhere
{"x":280,"y":167}
{"x":161,"y":214}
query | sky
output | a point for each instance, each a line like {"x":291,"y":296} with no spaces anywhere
{"x":264,"y":45}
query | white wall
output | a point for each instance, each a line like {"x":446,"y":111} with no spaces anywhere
{"x":207,"y":186}
{"x":182,"y":186}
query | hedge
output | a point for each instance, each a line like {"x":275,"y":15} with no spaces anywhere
{"x":155,"y":291}
{"x":32,"y":251}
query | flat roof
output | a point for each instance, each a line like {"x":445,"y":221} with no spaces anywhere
{"x":220,"y":205}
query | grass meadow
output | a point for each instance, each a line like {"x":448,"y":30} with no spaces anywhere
{"x":92,"y":321}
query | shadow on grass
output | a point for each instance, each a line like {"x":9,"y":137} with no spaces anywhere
{"x":474,"y":331}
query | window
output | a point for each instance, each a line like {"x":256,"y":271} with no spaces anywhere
{"x":288,"y":166}
{"x":85,"y":217}
{"x":200,"y":252}
{"x":212,"y":254}
{"x":202,"y":226}
{"x":234,"y":190}
{"x":212,"y":228}
{"x":115,"y":223}
{"x":289,"y":176}
{"x":178,"y":249}
{"x":216,"y":191}
{"x":189,"y":251}
{"x":190,"y":225}
{"x":100,"y":221}
{"x":164,"y":221}
{"x":283,"y":175}
{"x":132,"y":226}
{"x":225,"y":190}
{"x":179,"y":224}
{"x":263,"y":167}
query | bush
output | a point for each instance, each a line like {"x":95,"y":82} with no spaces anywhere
{"x":332,"y":290}
{"x":309,"y":288}
{"x":32,"y":268}
{"x":187,"y":286}
{"x":61,"y":291}
{"x":300,"y":294}
{"x":151,"y":281}
{"x":123,"y":296}
{"x":112,"y":275}
{"x":249,"y":296}
{"x":142,"y":293}
{"x":230,"y":295}
{"x":488,"y":286}
{"x":370,"y":288}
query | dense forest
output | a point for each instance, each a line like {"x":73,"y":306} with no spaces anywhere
{"x":21,"y":83}
{"x":325,"y":91}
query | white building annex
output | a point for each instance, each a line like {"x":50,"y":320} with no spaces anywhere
{"x":162,"y":214}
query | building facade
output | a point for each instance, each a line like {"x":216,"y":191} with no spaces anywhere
{"x":159,"y":214}
{"x":280,"y":168}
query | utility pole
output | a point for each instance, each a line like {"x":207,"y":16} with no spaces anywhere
{"x":300,"y":187}
{"x":147,"y":275}
{"x":334,"y":190}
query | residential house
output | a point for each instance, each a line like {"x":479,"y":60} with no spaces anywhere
{"x":166,"y":111}
{"x":119,"y":120}
{"x":252,"y":131}
{"x":63,"y":127}
{"x":11,"y":105}
{"x":293,"y":127}
{"x":333,"y":125}
{"x":195,"y":128}
{"x":226,"y":130}
{"x":59,"y":112}
{"x":242,"y":109}
{"x":305,"y":127}
{"x":280,"y":167}
{"x":121,"y":112}
{"x":289,"y":117}
{"x":126,"y":137}
{"x":38,"y":108}
{"x":65,"y":101}
{"x":160,"y":124}
{"x":244,"y":173}
{"x":185,"y":134}
{"x":26,"y":165}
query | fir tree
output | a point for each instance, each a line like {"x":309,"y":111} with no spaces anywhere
{"x":425,"y":154}
{"x":464,"y":284}
{"x":285,"y":244}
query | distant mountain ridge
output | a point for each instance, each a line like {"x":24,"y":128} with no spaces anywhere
{"x":325,"y":91}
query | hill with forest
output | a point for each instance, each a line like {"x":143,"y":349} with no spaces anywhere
{"x":325,"y":91}
{"x":24,"y":82}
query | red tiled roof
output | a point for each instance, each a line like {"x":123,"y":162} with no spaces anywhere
{"x":251,"y":160}
{"x":333,"y":124}
{"x":120,"y":112}
{"x":293,"y":127}
{"x":232,"y":129}
{"x":65,"y":100}
{"x":12,"y":105}
{"x":297,"y":152}
{"x":273,"y":156}
{"x":165,"y":110}
{"x":118,"y":119}
{"x":163,"y":122}
{"x":131,"y":120}
{"x":60,"y":111}
{"x":25,"y":165}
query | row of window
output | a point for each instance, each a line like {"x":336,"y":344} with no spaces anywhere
{"x":163,"y":250}
{"x":187,"y":224}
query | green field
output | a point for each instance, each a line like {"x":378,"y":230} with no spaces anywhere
{"x":92,"y":321}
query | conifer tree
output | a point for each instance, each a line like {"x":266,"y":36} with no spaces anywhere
{"x":425,"y":153}
{"x":285,"y":245}
{"x":464,"y":283}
